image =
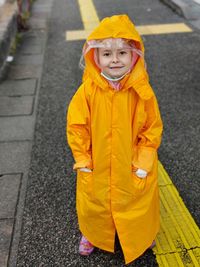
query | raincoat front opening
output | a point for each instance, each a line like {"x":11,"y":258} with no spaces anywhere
{"x":114,"y":132}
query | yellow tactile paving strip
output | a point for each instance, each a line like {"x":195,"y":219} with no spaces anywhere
{"x":178,"y":243}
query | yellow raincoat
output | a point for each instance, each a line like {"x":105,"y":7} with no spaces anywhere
{"x":114,"y":132}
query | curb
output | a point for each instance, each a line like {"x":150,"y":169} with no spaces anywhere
{"x":8,"y":29}
{"x":186,"y":8}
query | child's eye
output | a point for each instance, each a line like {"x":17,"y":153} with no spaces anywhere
{"x":106,"y":54}
{"x":123,"y":52}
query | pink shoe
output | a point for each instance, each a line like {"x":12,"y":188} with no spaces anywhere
{"x":85,"y":247}
{"x":153,"y":244}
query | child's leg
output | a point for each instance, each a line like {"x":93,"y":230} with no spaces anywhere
{"x":85,"y":247}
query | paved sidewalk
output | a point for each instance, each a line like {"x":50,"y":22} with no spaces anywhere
{"x":18,"y":106}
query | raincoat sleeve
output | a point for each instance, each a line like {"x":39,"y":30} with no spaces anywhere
{"x":149,"y":137}
{"x":78,"y":129}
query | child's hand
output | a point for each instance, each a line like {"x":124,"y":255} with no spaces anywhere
{"x":85,"y":170}
{"x":141,"y":173}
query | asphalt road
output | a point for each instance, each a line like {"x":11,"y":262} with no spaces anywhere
{"x":50,"y":232}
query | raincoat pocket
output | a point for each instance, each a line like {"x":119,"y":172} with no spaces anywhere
{"x":86,"y":181}
{"x":139,"y":185}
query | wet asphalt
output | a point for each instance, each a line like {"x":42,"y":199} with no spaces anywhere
{"x":50,"y":232}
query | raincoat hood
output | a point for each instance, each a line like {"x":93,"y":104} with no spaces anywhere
{"x":118,"y":26}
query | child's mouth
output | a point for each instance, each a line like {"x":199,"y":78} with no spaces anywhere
{"x":116,"y":67}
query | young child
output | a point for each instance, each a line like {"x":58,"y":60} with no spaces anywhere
{"x":114,"y":130}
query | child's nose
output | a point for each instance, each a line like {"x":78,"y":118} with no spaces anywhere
{"x":115,"y":58}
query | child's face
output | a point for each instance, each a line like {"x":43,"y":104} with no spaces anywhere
{"x":115,"y":62}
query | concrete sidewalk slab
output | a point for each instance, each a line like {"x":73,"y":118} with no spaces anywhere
{"x":24,"y":72}
{"x":37,"y":13}
{"x":38,"y":23}
{"x":9,"y":191}
{"x":42,"y":6}
{"x":17,"y":128}
{"x":31,"y":49}
{"x":15,"y":156}
{"x":33,"y":37}
{"x":32,"y":40}
{"x":6,"y":228}
{"x":19,"y":105}
{"x":21,"y":59}
{"x":18,"y":87}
